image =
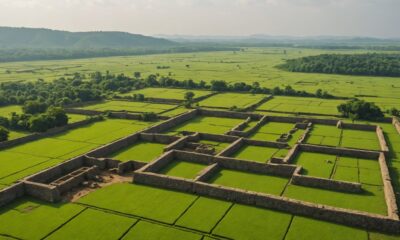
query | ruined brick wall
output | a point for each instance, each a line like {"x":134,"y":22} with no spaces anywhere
{"x":9,"y":194}
{"x":229,"y":114}
{"x":172,"y":122}
{"x":231,"y":149}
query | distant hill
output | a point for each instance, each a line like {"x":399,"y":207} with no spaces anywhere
{"x":45,"y":38}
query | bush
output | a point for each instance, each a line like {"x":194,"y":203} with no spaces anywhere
{"x":4,"y":134}
{"x":34,"y":107}
{"x":4,"y":122}
{"x":148,"y":117}
{"x":359,"y":109}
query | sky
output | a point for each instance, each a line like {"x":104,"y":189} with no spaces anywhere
{"x":374,"y":18}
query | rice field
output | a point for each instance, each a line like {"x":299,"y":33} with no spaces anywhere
{"x":132,"y":211}
{"x":259,"y":154}
{"x":25,"y":159}
{"x":141,"y":151}
{"x":127,"y":106}
{"x":301,"y":105}
{"x":228,"y":100}
{"x":204,"y":124}
{"x":167,"y":93}
{"x":141,"y":212}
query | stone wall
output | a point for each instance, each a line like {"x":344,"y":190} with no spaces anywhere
{"x":208,"y":173}
{"x":231,"y":149}
{"x":396,"y":123}
{"x":229,"y":114}
{"x":291,"y":154}
{"x":363,"y":127}
{"x":50,"y":174}
{"x":9,"y":194}
{"x":172,"y":122}
{"x":390,"y":197}
{"x":42,"y":191}
{"x":342,"y":216}
{"x":83,"y":111}
{"x":216,"y":137}
{"x":382,"y":141}
{"x":159,"y":163}
{"x":114,"y":146}
{"x":178,"y":144}
{"x":325,"y":183}
{"x":340,"y":151}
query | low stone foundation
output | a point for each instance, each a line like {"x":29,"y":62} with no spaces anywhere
{"x":324,"y":183}
{"x":382,"y":141}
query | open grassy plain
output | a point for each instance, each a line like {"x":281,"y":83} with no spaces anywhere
{"x":133,"y":211}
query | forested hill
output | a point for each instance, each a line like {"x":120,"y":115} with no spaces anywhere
{"x":372,"y":64}
{"x":46,"y":38}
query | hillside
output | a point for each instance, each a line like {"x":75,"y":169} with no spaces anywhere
{"x":46,"y":38}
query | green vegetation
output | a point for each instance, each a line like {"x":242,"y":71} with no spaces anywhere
{"x":259,"y":154}
{"x":229,"y":100}
{"x":297,"y":230}
{"x":167,"y":93}
{"x":301,"y":105}
{"x":146,"y":230}
{"x":183,"y":169}
{"x":371,"y":64}
{"x":244,"y":222}
{"x":250,"y":181}
{"x":316,"y":164}
{"x":204,"y":214}
{"x":271,"y":131}
{"x":32,"y":219}
{"x":129,"y":106}
{"x":359,"y":109}
{"x":204,"y":124}
{"x":141,"y":151}
{"x":372,"y":200}
{"x":106,"y":226}
{"x":155,"y":203}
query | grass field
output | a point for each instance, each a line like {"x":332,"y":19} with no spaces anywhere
{"x":167,"y":93}
{"x":207,"y":125}
{"x":183,"y":169}
{"x":250,"y":181}
{"x":228,"y":100}
{"x":131,"y":211}
{"x":25,"y":159}
{"x":301,"y":105}
{"x":250,"y":65}
{"x":118,"y":106}
{"x":141,"y":151}
{"x":259,"y":154}
{"x":141,"y":212}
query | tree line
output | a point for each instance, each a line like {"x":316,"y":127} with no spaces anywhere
{"x":370,"y":64}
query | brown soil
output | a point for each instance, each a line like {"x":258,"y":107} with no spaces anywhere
{"x":105,"y":178}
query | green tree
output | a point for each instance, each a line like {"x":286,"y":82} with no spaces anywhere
{"x":4,"y":134}
{"x":34,"y":107}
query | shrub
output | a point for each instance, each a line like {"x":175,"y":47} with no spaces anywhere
{"x":4,"y":134}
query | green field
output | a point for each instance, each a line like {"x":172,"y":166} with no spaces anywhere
{"x":250,"y":181}
{"x":204,"y":124}
{"x":272,"y":131}
{"x":301,"y":105}
{"x":135,"y":107}
{"x":183,"y":169}
{"x":167,"y":93}
{"x":141,"y":151}
{"x":228,"y":100}
{"x":133,"y":211}
{"x":259,"y":154}
{"x":28,"y":158}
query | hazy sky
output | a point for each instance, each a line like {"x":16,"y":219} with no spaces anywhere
{"x":209,"y":17}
